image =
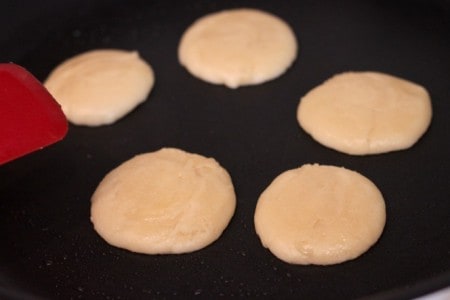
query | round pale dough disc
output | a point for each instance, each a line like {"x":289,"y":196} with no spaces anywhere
{"x":319,"y":215}
{"x":100,"y":86}
{"x":238,"y":47}
{"x":365,"y":113}
{"x":164,"y":202}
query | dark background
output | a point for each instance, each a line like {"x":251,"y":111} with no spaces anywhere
{"x":48,"y":246}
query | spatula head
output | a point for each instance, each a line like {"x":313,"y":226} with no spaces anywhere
{"x":30,"y":118}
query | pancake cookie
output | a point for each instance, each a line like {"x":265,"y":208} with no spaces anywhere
{"x":164,"y":202}
{"x":319,"y":215}
{"x":100,"y":86}
{"x":238,"y":47}
{"x":366,"y":113}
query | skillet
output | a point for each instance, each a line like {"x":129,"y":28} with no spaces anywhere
{"x":48,"y":246}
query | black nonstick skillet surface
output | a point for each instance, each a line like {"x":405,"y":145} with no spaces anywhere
{"x":48,"y":248}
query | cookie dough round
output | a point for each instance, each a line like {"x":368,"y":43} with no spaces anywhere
{"x":363,"y":113}
{"x":238,"y":47}
{"x":320,"y":215}
{"x":164,"y":202}
{"x":100,"y":86}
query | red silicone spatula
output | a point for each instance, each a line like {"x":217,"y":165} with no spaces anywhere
{"x":30,"y":118}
